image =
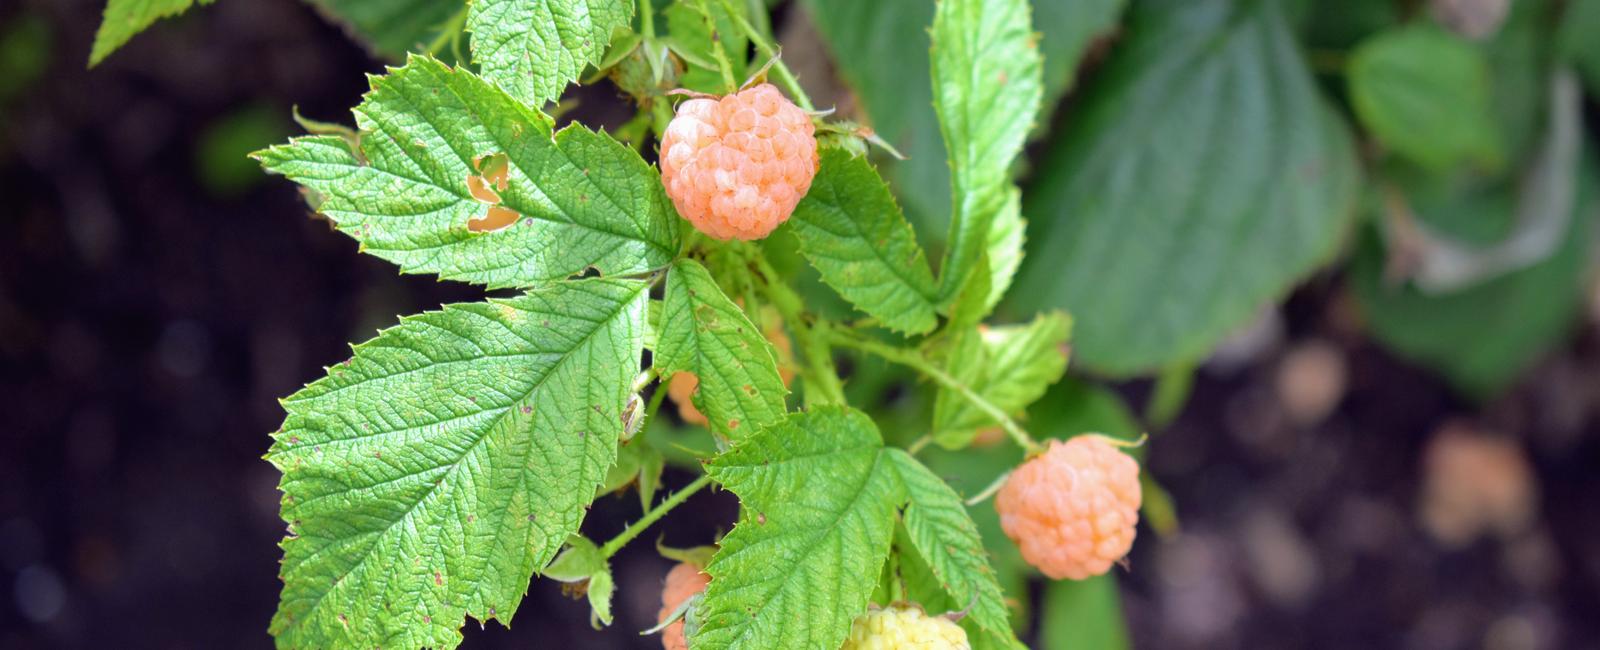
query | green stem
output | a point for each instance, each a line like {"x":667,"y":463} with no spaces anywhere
{"x":647,"y":20}
{"x":448,"y":32}
{"x":765,"y":47}
{"x":812,"y":338}
{"x":916,"y":361}
{"x":651,"y":517}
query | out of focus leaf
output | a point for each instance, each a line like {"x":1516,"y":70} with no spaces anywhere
{"x":24,"y":53}
{"x":1203,"y":177}
{"x":1083,"y":614}
{"x":1424,"y":93}
{"x":1580,"y":40}
{"x":1482,"y":337}
{"x":881,"y":50}
{"x":222,"y":152}
{"x":391,"y":27}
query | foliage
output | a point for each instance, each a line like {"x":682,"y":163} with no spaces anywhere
{"x":1211,"y":156}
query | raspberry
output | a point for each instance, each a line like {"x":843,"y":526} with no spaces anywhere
{"x":735,"y":167}
{"x":904,"y":627}
{"x":1072,"y":509}
{"x":681,"y":390}
{"x":683,"y":581}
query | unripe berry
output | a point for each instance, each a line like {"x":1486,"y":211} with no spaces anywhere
{"x":683,"y":582}
{"x":1072,"y":510}
{"x":904,"y":627}
{"x":735,"y":167}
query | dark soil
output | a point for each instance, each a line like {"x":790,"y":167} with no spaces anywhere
{"x":155,"y":303}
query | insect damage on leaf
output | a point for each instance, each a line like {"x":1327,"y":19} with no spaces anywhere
{"x":486,"y":186}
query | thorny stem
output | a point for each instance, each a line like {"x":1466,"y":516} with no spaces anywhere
{"x":812,"y":338}
{"x":450,"y":31}
{"x":915,"y":361}
{"x":651,"y":517}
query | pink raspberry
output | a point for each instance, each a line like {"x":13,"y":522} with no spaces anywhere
{"x":683,"y":582}
{"x":1072,"y":509}
{"x":735,"y":167}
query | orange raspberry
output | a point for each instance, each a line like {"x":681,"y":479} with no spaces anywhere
{"x":681,"y":390}
{"x":683,"y":582}
{"x":1072,"y":509}
{"x":735,"y":167}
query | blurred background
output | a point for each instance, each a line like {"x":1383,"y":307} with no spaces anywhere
{"x":1335,"y":257}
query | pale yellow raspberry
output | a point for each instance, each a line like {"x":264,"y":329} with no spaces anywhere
{"x":1072,"y":510}
{"x":683,"y":582}
{"x":904,"y":628}
{"x":735,"y":167}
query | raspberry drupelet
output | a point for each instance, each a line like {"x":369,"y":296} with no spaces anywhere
{"x":893,"y":628}
{"x":683,"y":582}
{"x":735,"y":167}
{"x":1072,"y":510}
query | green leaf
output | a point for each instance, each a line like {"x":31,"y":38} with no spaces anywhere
{"x":392,"y":27}
{"x":819,"y":494}
{"x":1202,"y":178}
{"x":584,"y":200}
{"x":601,"y":588}
{"x":1424,"y":92}
{"x":1067,"y":28}
{"x":534,"y":48}
{"x":881,"y":51}
{"x":705,"y":333}
{"x":1009,"y":365}
{"x":947,"y":540}
{"x":428,"y":477}
{"x":985,"y":65}
{"x":580,"y":560}
{"x":1579,"y":25}
{"x":1083,"y":614}
{"x":1483,"y":337}
{"x":125,"y":18}
{"x":851,"y":230}
{"x":696,"y":29}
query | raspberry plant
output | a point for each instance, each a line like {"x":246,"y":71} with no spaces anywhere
{"x":450,"y":460}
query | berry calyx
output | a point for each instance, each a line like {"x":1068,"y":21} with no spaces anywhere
{"x":1072,"y":510}
{"x":735,"y":167}
{"x":893,"y":628}
{"x":683,"y":582}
